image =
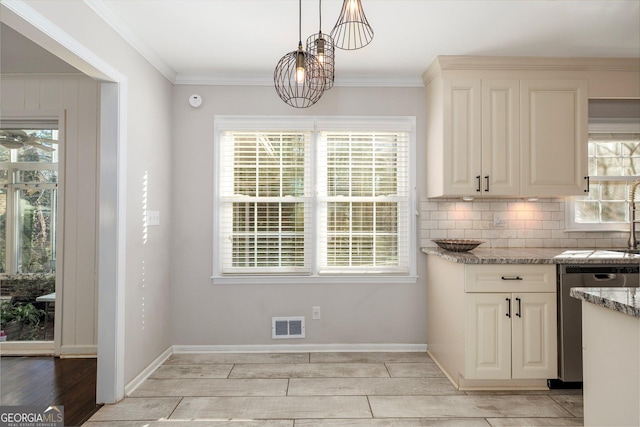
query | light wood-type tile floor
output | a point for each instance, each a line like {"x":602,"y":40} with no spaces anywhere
{"x":326,"y":390}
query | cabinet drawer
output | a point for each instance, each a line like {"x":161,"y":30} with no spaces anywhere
{"x":510,"y":278}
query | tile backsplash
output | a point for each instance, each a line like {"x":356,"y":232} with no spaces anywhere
{"x":525,"y":224}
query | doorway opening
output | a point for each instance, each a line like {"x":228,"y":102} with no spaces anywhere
{"x":29,"y":159}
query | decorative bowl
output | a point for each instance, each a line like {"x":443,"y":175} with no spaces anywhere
{"x":458,"y":245}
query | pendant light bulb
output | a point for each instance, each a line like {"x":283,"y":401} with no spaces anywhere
{"x":300,"y":68}
{"x":320,"y":50}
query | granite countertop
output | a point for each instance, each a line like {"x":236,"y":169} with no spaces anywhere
{"x":534,"y":256}
{"x":624,"y":300}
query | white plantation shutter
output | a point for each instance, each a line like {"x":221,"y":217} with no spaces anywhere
{"x":363,"y":200}
{"x":265,"y":202}
{"x":311,"y":197}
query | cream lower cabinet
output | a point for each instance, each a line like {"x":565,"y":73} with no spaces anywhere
{"x":492,"y":326}
{"x":510,"y":335}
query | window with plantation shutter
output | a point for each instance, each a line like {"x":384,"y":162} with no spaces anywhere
{"x":314,"y":197}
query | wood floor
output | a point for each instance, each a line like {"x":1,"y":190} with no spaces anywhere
{"x":50,"y":381}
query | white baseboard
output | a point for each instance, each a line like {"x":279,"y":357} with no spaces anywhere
{"x":70,"y":351}
{"x":27,"y":348}
{"x":299,"y":348}
{"x":139,"y":379}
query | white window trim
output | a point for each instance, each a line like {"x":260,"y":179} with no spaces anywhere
{"x":408,"y":123}
{"x":601,"y":126}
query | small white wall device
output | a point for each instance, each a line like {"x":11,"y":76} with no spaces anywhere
{"x":195,"y":100}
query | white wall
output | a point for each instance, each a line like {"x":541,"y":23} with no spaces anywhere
{"x":77,"y":95}
{"x":236,"y":315}
{"x":148,"y":106}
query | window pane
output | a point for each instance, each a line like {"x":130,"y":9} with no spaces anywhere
{"x":269,"y":164}
{"x":614,"y":159}
{"x":587,"y":212}
{"x":268,"y":234}
{"x":37,"y":176}
{"x":614,"y":212}
{"x":40,"y":148}
{"x":36,"y":247}
{"x":362,"y":164}
{"x":5,"y":154}
{"x":362,"y":234}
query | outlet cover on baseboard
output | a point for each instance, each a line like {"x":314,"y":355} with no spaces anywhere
{"x":287,"y":327}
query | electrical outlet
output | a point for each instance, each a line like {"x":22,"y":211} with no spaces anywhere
{"x":316,"y":312}
{"x":153,"y":217}
{"x":499,"y":220}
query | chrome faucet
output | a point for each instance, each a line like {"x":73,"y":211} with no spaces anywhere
{"x":633,"y":242}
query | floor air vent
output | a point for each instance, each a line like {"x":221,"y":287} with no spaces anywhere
{"x":287,"y":327}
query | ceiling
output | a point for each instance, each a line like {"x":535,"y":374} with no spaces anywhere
{"x":241,"y":41}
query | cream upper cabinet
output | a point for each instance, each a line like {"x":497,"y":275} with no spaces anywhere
{"x":505,"y":132}
{"x":481,"y":140}
{"x":500,"y":138}
{"x":554,"y":120}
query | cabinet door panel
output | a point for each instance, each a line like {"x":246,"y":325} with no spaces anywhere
{"x":534,"y":335}
{"x":501,"y":137}
{"x":554,"y":136}
{"x":461,"y":137}
{"x":488,"y":340}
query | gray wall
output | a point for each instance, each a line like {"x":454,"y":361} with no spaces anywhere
{"x":238,"y":315}
{"x":147,"y":124}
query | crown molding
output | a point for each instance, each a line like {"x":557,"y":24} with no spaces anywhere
{"x":104,"y":12}
{"x":528,"y":63}
{"x":267,"y":80}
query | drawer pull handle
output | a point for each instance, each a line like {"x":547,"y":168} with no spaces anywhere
{"x":511,"y":278}
{"x":509,"y":307}
{"x":519,"y":312}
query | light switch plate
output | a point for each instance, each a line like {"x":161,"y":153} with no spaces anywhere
{"x":153,"y":217}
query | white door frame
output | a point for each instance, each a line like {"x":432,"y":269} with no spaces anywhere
{"x":112,"y":185}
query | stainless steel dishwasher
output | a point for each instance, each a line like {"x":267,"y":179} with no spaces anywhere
{"x":570,"y":309}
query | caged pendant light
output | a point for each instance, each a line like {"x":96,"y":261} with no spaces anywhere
{"x":322,"y":46}
{"x":352,"y":31}
{"x":299,"y":78}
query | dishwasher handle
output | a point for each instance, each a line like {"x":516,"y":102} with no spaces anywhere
{"x":604,"y":277}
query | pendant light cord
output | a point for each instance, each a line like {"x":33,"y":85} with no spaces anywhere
{"x":320,"y":15}
{"x":300,"y":20}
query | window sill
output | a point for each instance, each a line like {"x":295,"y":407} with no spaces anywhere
{"x":312,"y":280}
